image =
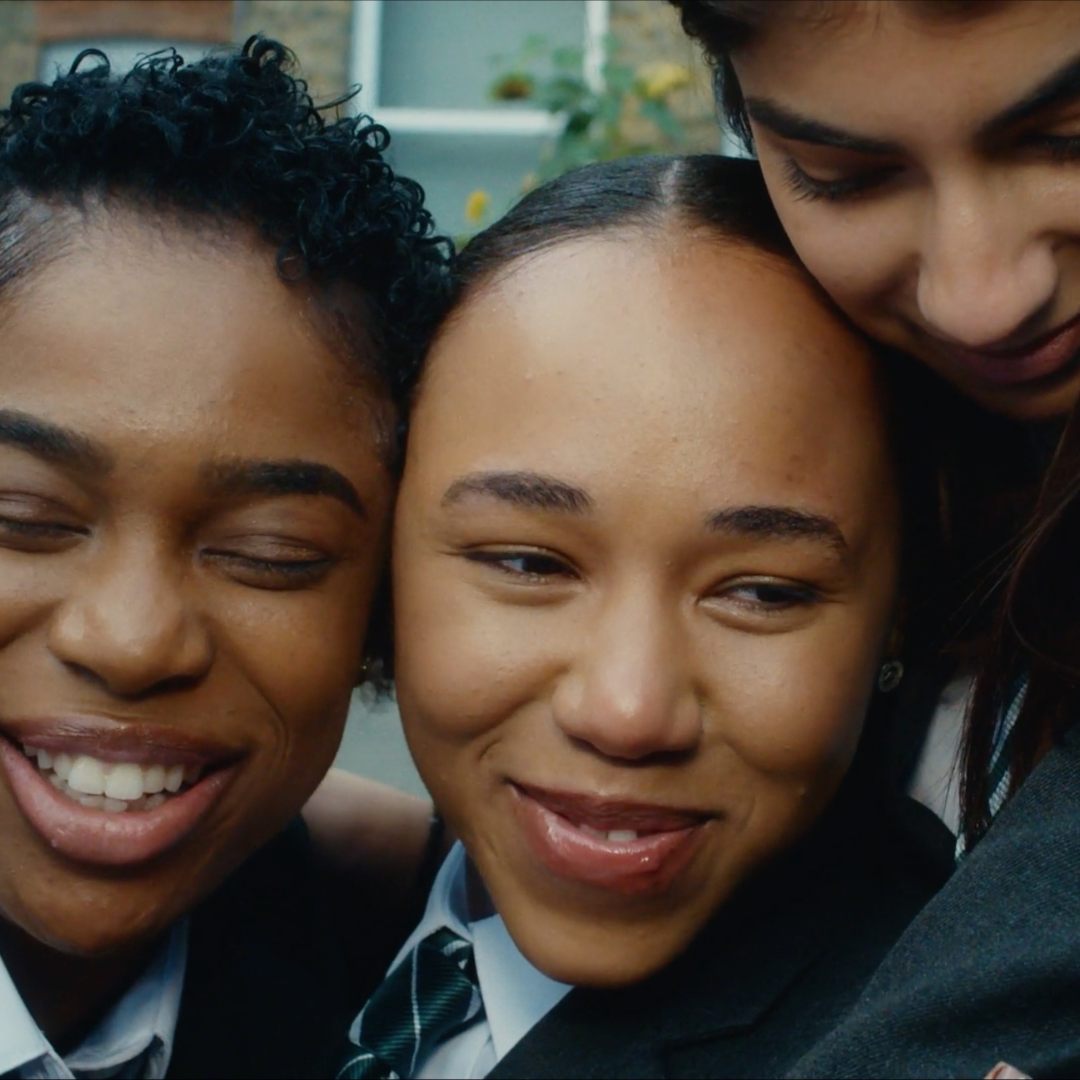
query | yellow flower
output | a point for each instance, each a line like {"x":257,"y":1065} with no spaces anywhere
{"x":476,"y":205}
{"x":661,"y":78}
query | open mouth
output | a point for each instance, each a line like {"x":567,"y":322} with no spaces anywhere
{"x":112,"y":794}
{"x":627,"y":847}
{"x":113,"y":786}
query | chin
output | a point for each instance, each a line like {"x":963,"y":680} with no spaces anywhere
{"x":71,"y":932}
{"x":585,"y":953}
{"x":1034,"y":408}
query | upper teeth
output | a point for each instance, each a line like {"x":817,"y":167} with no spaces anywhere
{"x":123,"y":781}
{"x":617,"y":835}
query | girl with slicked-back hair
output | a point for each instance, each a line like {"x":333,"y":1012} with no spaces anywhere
{"x":656,"y":536}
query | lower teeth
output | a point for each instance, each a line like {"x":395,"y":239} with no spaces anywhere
{"x":103,"y":802}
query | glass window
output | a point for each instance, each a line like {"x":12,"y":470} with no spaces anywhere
{"x":438,"y":55}
{"x":426,"y":66}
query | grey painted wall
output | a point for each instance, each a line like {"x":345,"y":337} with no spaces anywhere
{"x":373,"y":745}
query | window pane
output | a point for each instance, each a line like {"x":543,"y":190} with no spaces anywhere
{"x":450,"y":167}
{"x":439,"y":55}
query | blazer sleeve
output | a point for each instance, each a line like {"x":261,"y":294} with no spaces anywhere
{"x":990,"y":970}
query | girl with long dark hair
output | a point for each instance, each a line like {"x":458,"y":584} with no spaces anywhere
{"x":923,"y":158}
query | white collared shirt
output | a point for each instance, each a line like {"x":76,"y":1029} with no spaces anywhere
{"x":515,"y":994}
{"x":135,"y":1038}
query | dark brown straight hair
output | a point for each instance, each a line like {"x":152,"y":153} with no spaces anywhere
{"x":1023,"y":589}
{"x":946,"y":447}
{"x":722,"y":27}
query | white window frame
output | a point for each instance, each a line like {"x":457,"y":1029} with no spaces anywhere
{"x":364,"y":68}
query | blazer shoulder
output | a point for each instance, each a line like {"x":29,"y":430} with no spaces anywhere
{"x":267,"y":990}
{"x":760,"y":984}
{"x":988,"y":971}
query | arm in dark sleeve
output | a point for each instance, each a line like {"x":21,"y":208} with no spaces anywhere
{"x":990,"y":970}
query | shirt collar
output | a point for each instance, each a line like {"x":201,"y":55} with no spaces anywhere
{"x":145,"y":1017}
{"x":516,"y":995}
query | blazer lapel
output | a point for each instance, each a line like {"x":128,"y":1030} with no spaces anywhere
{"x":590,"y":1033}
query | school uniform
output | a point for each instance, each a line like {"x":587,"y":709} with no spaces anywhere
{"x":134,"y":1039}
{"x":771,"y":974}
{"x":274,"y":973}
{"x":990,"y":970}
{"x":257,"y":982}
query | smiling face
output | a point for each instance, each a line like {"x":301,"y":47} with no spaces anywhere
{"x":927,"y":170}
{"x":193,"y":507}
{"x":644,"y":564}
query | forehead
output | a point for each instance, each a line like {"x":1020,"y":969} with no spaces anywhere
{"x":154,"y":332}
{"x":653,"y":361}
{"x":884,"y":65}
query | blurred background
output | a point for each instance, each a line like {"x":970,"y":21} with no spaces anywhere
{"x":483,"y":100}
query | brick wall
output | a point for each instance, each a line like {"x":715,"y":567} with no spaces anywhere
{"x":648,"y":33}
{"x":318,"y":31}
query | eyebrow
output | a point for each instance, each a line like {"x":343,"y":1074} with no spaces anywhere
{"x":778,"y":523}
{"x":271,"y":478}
{"x":789,"y":124}
{"x":53,"y":443}
{"x":528,"y":490}
{"x":1060,"y":87}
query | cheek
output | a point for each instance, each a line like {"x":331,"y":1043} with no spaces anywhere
{"x":794,"y":712}
{"x":858,"y":254}
{"x":302,"y":653}
{"x":464,"y":663}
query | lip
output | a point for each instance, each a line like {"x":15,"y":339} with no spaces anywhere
{"x":1044,"y":359}
{"x":96,"y":836}
{"x":552,"y":825}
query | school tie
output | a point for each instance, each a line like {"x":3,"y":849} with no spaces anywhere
{"x":429,"y":995}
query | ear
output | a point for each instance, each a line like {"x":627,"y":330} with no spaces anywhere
{"x":894,"y":642}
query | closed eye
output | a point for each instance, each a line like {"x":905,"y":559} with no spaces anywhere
{"x":275,"y":574}
{"x":841,"y":189}
{"x":33,"y":524}
{"x":1060,"y":148}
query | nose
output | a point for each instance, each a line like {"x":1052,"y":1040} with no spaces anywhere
{"x":126,"y":625}
{"x":629,"y":694}
{"x":984,"y":269}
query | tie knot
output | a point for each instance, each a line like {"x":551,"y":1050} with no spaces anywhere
{"x":429,"y":996}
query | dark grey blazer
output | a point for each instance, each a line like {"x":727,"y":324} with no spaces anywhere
{"x":274,"y":975}
{"x":767,"y":978}
{"x":991,"y":969}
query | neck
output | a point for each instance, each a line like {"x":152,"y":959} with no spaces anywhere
{"x":67,"y":995}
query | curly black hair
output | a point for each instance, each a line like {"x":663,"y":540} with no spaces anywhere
{"x":236,"y":136}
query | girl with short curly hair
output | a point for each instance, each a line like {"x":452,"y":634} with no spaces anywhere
{"x":213,"y":301}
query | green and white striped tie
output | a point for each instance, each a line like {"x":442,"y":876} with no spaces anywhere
{"x":429,"y":996}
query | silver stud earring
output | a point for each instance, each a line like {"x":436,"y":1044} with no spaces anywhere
{"x":889,"y":676}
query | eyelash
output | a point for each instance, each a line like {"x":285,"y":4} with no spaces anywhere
{"x":806,"y":187}
{"x":1064,"y":149}
{"x":19,"y":532}
{"x":790,"y":595}
{"x":1060,"y":148}
{"x":552,"y":566}
{"x":288,"y":573}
